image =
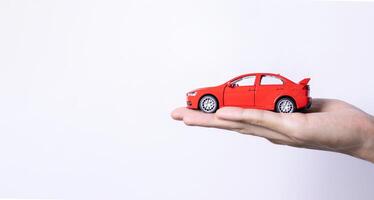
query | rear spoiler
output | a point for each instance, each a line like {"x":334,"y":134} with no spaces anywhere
{"x":305,"y":81}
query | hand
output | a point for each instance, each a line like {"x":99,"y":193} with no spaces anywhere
{"x":331,"y":125}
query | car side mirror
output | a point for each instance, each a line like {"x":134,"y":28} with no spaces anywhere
{"x":231,"y":85}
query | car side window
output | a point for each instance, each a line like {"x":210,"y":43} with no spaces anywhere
{"x":270,"y":80}
{"x":245,"y":81}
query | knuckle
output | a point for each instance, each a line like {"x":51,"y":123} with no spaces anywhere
{"x":188,"y":121}
{"x":253,"y":116}
{"x":258,"y":121}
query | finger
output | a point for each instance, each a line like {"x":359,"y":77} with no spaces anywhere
{"x":177,"y":113}
{"x":197,"y":118}
{"x":291,"y":143}
{"x":265,"y":133}
{"x":267,"y":119}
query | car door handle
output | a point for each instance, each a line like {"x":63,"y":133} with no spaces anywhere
{"x":279,"y":89}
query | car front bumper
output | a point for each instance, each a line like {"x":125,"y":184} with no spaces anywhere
{"x":192,"y":102}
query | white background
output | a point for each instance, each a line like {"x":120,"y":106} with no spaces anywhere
{"x":86,"y":89}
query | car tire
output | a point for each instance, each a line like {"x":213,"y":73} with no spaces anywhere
{"x":285,"y":105}
{"x":208,"y":104}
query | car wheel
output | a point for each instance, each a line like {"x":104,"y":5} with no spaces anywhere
{"x":285,"y":105}
{"x":208,"y":104}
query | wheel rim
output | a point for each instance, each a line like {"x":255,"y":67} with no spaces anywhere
{"x":208,"y":104}
{"x":285,"y":106}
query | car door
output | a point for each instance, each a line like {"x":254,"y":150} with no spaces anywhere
{"x":240,"y":92}
{"x":268,"y":89}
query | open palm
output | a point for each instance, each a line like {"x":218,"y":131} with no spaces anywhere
{"x":331,"y":125}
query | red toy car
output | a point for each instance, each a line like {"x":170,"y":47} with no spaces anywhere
{"x":257,"y":90}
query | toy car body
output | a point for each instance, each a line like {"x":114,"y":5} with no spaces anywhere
{"x":266,"y":91}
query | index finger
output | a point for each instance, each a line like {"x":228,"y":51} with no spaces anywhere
{"x":263,"y":118}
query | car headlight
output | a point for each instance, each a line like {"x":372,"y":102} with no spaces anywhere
{"x":191,"y":94}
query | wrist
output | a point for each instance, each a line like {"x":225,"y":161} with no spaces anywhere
{"x":367,"y":150}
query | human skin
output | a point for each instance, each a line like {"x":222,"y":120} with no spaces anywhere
{"x":330,"y":125}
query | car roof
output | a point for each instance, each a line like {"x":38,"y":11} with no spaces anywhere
{"x":263,"y":73}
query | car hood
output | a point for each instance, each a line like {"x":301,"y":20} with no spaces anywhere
{"x":207,"y":88}
{"x":203,"y":88}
